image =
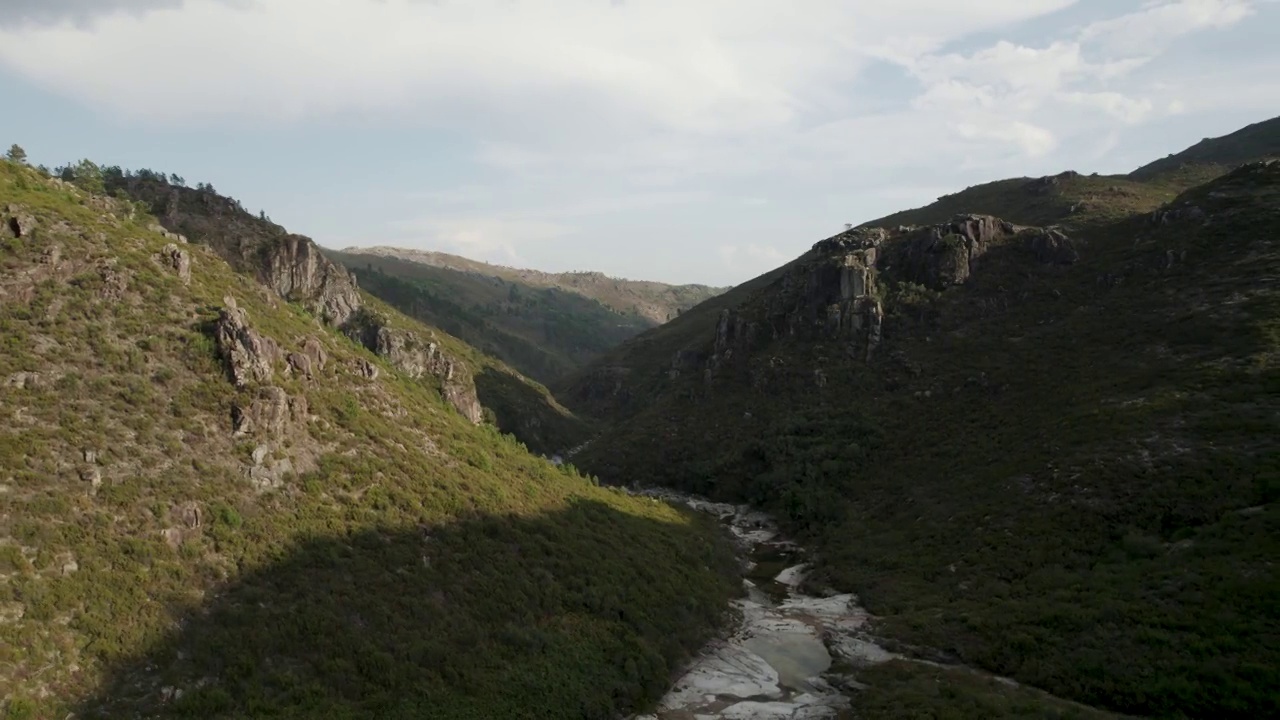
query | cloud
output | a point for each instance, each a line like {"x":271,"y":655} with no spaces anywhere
{"x":651,"y":120}
{"x":1159,"y":24}
{"x":752,"y":259}
{"x":717,"y":66}
{"x":494,"y":240}
{"x":79,"y":13}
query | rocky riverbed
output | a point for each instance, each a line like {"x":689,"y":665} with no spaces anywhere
{"x":782,"y":661}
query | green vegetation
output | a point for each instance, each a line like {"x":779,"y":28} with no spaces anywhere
{"x":655,"y":302}
{"x":1064,"y":475}
{"x":544,"y":332}
{"x":545,"y":325}
{"x":255,"y":245}
{"x":153,"y":561}
{"x":903,"y":690}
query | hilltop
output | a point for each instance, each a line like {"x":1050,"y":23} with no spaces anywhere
{"x":1032,"y":426}
{"x":1214,"y":156}
{"x":653,"y":301}
{"x":234,"y":485}
{"x":546,"y":325}
{"x":1083,"y":203}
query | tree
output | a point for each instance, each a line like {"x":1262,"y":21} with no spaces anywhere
{"x":88,"y":176}
{"x":17,"y":154}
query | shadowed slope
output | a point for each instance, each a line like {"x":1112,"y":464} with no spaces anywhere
{"x":484,"y":617}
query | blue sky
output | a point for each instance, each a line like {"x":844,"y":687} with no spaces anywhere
{"x":678,"y":140}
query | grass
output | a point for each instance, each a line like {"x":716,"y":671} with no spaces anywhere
{"x":143,"y":572}
{"x":1066,"y":476}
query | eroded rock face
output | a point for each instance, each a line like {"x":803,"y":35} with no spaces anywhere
{"x":296,"y":270}
{"x":833,"y":295}
{"x":177,"y":259}
{"x":1051,"y":246}
{"x":271,"y":414}
{"x":314,"y":350}
{"x":115,"y":280}
{"x":418,"y":358}
{"x":18,"y":221}
{"x":250,"y":357}
{"x":940,"y":256}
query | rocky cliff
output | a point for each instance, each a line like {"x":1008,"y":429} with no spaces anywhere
{"x":293,"y":267}
{"x":836,"y":293}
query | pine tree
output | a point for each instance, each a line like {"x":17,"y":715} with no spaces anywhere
{"x":17,"y":154}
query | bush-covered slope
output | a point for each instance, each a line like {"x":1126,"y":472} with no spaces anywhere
{"x":544,"y":332}
{"x":1054,"y":458}
{"x":654,"y":302}
{"x":213,"y":503}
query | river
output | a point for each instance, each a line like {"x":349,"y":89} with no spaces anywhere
{"x":778,"y":663}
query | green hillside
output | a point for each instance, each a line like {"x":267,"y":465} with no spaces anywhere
{"x":256,"y":492}
{"x":1052,"y":456}
{"x":546,"y":325}
{"x":294,"y":267}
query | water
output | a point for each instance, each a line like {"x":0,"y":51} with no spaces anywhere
{"x":778,"y":662}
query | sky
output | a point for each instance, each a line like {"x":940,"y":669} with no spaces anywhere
{"x":677,"y":140}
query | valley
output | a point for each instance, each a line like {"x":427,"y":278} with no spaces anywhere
{"x":1009,"y":455}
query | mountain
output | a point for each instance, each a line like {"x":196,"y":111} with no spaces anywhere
{"x":545,"y":325}
{"x":234,"y":485}
{"x":1214,"y":156}
{"x":1043,"y":444}
{"x":1083,"y":202}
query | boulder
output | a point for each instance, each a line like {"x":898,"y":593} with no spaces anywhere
{"x":177,"y":259}
{"x":18,"y":221}
{"x":271,"y":413}
{"x":1051,"y":246}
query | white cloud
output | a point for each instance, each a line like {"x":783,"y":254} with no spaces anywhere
{"x":494,"y":240}
{"x":750,"y":259}
{"x":717,"y":66}
{"x":1159,"y":24}
{"x":575,"y":113}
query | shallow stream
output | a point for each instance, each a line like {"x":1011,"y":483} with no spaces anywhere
{"x":778,"y":662}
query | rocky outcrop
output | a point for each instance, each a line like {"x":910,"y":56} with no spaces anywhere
{"x":250,"y":357}
{"x":1047,"y":184}
{"x":418,"y":358}
{"x":270,"y":414}
{"x":177,"y":259}
{"x":163,"y":231}
{"x":834,"y":292}
{"x":308,"y":362}
{"x":314,"y":350}
{"x":295,"y":269}
{"x":115,"y":280}
{"x":944,"y":255}
{"x":291,"y":265}
{"x":1051,"y":246}
{"x":1178,"y":213}
{"x":18,"y":221}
